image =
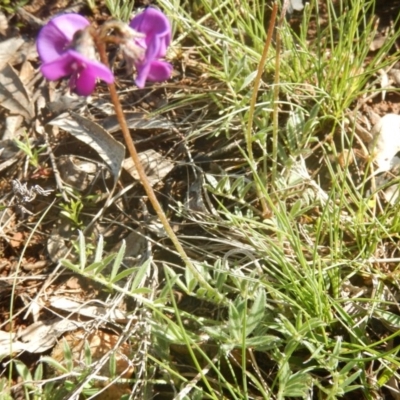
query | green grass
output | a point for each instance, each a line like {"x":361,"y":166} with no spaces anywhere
{"x":309,"y":304}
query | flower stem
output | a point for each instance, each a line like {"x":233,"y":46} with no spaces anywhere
{"x":275,"y":113}
{"x":252,"y":106}
{"x":146,"y":184}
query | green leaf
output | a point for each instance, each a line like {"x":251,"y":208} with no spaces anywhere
{"x":54,"y":364}
{"x":390,"y":319}
{"x":263,"y":343}
{"x":123,"y":274}
{"x":68,"y":264}
{"x":235,"y":322}
{"x":297,"y":385}
{"x":23,"y":371}
{"x":142,"y":271}
{"x":67,"y":353}
{"x":249,"y":78}
{"x":256,"y":313}
{"x":88,"y":353}
{"x":38,"y":375}
{"x":118,"y":260}
{"x":112,"y":366}
{"x":346,"y":383}
{"x":99,"y":249}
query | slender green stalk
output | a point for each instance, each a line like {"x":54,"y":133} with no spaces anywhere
{"x":145,"y":181}
{"x":275,"y":114}
{"x":249,"y":138}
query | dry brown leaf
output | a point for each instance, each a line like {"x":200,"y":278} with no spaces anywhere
{"x":13,"y":125}
{"x":17,"y":239}
{"x":3,"y":24}
{"x":56,"y":245}
{"x":27,"y":73}
{"x":8,"y":48}
{"x":88,"y":310}
{"x":77,"y":172}
{"x":37,"y":337}
{"x":154,"y":164}
{"x":13,"y":95}
{"x":386,"y":142}
{"x":110,"y":150}
{"x":8,"y":154}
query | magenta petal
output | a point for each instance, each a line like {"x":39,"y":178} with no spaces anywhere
{"x":102,"y":72}
{"x":151,"y":21}
{"x":89,"y":71}
{"x":156,"y":26}
{"x":84,"y":83}
{"x":155,"y":71}
{"x":95,"y":68}
{"x":59,"y":68}
{"x":56,"y":36}
{"x":159,"y":71}
{"x":157,"y":29}
{"x":84,"y":71}
{"x":142,"y":71}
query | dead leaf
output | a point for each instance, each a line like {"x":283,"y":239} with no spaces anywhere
{"x":154,"y":164}
{"x":77,"y":171}
{"x":37,"y":337}
{"x":13,"y":125}
{"x":88,"y":310}
{"x":8,"y":48}
{"x":385,"y":82}
{"x":56,"y":245}
{"x":386,"y":142}
{"x":17,"y":239}
{"x":27,"y":73}
{"x":13,"y":95}
{"x":137,"y":121}
{"x":295,"y":5}
{"x":109,"y":149}
{"x":3,"y":25}
{"x":9,"y":153}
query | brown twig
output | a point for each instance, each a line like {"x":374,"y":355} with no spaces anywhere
{"x":249,"y":138}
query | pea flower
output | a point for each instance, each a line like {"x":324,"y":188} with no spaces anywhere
{"x":157,"y":37}
{"x":66,"y":48}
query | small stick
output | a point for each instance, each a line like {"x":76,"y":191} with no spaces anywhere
{"x":253,"y":101}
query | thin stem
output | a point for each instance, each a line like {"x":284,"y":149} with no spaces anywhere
{"x":253,"y":101}
{"x":145,"y":181}
{"x":275,"y":113}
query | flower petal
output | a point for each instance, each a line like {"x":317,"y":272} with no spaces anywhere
{"x":84,"y":71}
{"x":155,"y":71}
{"x":142,"y":71}
{"x":159,"y":71}
{"x":54,"y":38}
{"x":85,"y":82}
{"x":59,"y":68}
{"x":156,"y":26}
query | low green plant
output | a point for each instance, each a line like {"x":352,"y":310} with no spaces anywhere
{"x":31,"y":152}
{"x":72,"y":211}
{"x":11,"y":6}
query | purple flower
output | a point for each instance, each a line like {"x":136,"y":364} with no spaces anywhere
{"x":66,"y":48}
{"x":157,"y":30}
